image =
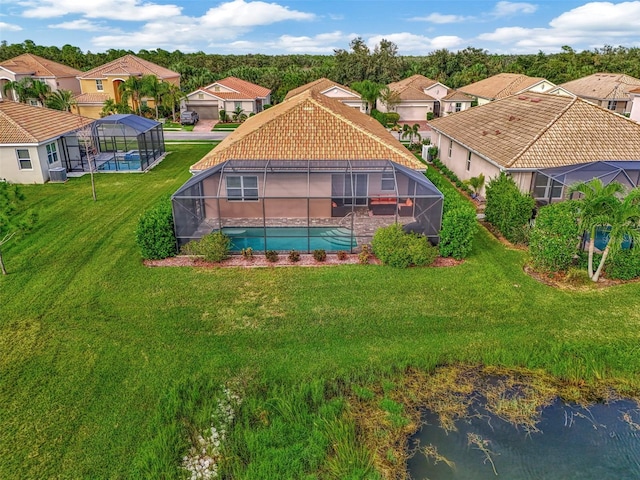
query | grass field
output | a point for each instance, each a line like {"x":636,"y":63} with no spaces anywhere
{"x":105,"y":364}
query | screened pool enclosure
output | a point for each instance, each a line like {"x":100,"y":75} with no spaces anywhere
{"x":305,"y":205}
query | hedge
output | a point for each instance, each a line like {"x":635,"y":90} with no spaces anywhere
{"x":396,"y":248}
{"x":555,"y":238}
{"x":508,"y":209}
{"x":154,"y":233}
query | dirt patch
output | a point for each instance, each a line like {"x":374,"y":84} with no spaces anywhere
{"x":306,"y":260}
{"x":562,"y":281}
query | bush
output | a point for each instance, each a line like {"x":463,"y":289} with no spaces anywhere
{"x":430,"y":115}
{"x":214,"y":247}
{"x":398,"y":249}
{"x":365,"y":255}
{"x":247,"y":253}
{"x":154,"y":234}
{"x":624,"y":264}
{"x":294,"y":256}
{"x":507,"y":209}
{"x":554,"y":239}
{"x":577,"y":277}
{"x":392,"y":118}
{"x":342,"y":255}
{"x":320,"y":255}
{"x":266,"y":106}
{"x":458,"y":230}
{"x":271,"y":256}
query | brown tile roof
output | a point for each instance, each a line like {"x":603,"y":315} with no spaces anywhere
{"x":320,"y":85}
{"x":500,"y":86}
{"x":413,"y":93}
{"x":92,"y":98}
{"x":635,"y":90}
{"x":247,"y":89}
{"x":417,"y":81}
{"x":30,"y":64}
{"x":21,"y":123}
{"x":457,"y":95}
{"x":310,"y":126}
{"x":536,"y":130}
{"x":603,"y":86}
{"x":127,"y":66}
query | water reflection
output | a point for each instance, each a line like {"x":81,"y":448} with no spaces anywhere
{"x":597,"y":443}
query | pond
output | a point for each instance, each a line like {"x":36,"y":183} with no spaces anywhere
{"x":569,"y":442}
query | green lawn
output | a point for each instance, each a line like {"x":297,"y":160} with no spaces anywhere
{"x":97,"y":351}
{"x":226,"y":126}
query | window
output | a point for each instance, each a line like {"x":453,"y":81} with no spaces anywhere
{"x":52,"y":153}
{"x":468,"y":161}
{"x":24,"y":159}
{"x":99,"y":86}
{"x":545,"y":187}
{"x":388,"y":181}
{"x":458,"y":106}
{"x":238,"y":105}
{"x":33,"y":102}
{"x":450,"y":147}
{"x":242,"y":188}
{"x":201,"y":96}
{"x":612,"y":105}
{"x":216,"y":88}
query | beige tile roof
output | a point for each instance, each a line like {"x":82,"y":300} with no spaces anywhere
{"x":29,"y":64}
{"x":91,"y":98}
{"x":500,"y":86}
{"x":457,"y":95}
{"x":310,"y":126}
{"x":247,"y":89}
{"x":536,"y":130}
{"x":604,"y":86}
{"x":130,"y":65}
{"x":417,"y":81}
{"x":21,"y":123}
{"x":635,"y":90}
{"x":320,"y":85}
{"x":409,"y":92}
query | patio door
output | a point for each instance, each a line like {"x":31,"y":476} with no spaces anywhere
{"x":359,"y":188}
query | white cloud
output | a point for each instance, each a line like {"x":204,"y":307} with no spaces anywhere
{"x":323,"y":43}
{"x":506,"y":9}
{"x":133,"y":10}
{"x":410,"y":43}
{"x":9,"y":27}
{"x":239,"y":13}
{"x":82,"y":24}
{"x":440,"y":18}
{"x":607,"y":22}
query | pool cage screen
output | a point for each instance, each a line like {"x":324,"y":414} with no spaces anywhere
{"x":305,"y":205}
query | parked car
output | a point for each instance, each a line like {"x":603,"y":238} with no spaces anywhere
{"x":189,"y":118}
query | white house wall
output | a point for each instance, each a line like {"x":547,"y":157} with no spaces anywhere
{"x":542,"y":87}
{"x":414,"y":112}
{"x":10,"y":170}
{"x":635,"y":108}
{"x":450,"y":107}
{"x":437,"y":91}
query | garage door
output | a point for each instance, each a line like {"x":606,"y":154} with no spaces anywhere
{"x":205,"y":112}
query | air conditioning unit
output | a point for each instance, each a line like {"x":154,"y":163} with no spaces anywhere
{"x":58,"y":175}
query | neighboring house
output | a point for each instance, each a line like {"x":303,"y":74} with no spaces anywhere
{"x":504,"y":85}
{"x":27,"y":65}
{"x":419,"y":96}
{"x":608,"y":90}
{"x":526,"y":133}
{"x":103,"y":83}
{"x":227,"y":94}
{"x":32,"y":141}
{"x":331,"y":89}
{"x":313,"y":163}
{"x":634,"y":113}
{"x":455,"y":102}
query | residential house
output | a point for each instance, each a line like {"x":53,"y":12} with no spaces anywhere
{"x":229,"y":94}
{"x":527,"y":133}
{"x":28,"y":65}
{"x":103,"y":83}
{"x":33,"y":143}
{"x":608,"y":90}
{"x":420,"y":96}
{"x":311,"y":170}
{"x":331,"y":89}
{"x":505,"y":84}
{"x":634,"y":112}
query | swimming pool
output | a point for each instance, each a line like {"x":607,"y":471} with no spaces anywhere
{"x":302,"y":239}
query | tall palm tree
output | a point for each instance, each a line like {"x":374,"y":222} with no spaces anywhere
{"x":597,"y":204}
{"x":411,"y":132}
{"x":172,"y":96}
{"x":131,"y":88}
{"x":40,"y":90}
{"x":20,"y":88}
{"x":370,"y":91}
{"x":61,"y":100}
{"x":154,"y":88}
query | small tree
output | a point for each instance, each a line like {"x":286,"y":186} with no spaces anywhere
{"x":85,"y":136}
{"x":389,"y":98}
{"x":476,"y":183}
{"x":154,"y":233}
{"x":14,"y":219}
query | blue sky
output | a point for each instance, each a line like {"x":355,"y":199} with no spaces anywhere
{"x":320,"y":26}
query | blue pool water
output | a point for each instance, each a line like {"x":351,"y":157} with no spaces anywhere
{"x":602,"y":238}
{"x":302,"y":239}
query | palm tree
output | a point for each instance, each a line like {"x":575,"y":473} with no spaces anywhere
{"x":172,"y":96}
{"x":40,"y":90}
{"x":370,"y":91}
{"x":20,"y":88}
{"x":131,"y":88}
{"x":152,"y":87}
{"x":411,"y":132}
{"x":238,"y":115}
{"x":61,"y":100}
{"x":624,"y":222}
{"x":597,"y":204}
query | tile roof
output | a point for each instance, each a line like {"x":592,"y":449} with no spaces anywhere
{"x":21,"y":123}
{"x":310,"y":126}
{"x":500,"y":86}
{"x":416,"y":81}
{"x":30,"y":64}
{"x":247,"y":89}
{"x":536,"y":130}
{"x":635,"y":90}
{"x":457,"y":95}
{"x":409,"y":92}
{"x":127,"y":66}
{"x":603,"y":86}
{"x":92,"y":98}
{"x":320,"y":85}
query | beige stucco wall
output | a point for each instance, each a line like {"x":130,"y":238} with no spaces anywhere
{"x":449,"y":107}
{"x":413,"y":111}
{"x":69,"y":83}
{"x":90,"y":111}
{"x":483,"y":101}
{"x":635,"y":107}
{"x":437,"y":91}
{"x":39,"y":173}
{"x":542,"y":87}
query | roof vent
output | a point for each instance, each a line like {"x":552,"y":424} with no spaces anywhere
{"x":511,"y":118}
{"x":522,"y":97}
{"x":497,"y":132}
{"x":484,"y":132}
{"x":535,"y":100}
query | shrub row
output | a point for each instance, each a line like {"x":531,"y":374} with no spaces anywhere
{"x":154,"y":233}
{"x":386,"y":119}
{"x":396,"y":248}
{"x":451,"y":175}
{"x":623,"y":265}
{"x":508,"y":209}
{"x":214,"y":247}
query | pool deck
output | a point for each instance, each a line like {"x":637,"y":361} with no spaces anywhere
{"x":363,"y":222}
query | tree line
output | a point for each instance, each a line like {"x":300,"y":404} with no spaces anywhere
{"x":381,"y":65}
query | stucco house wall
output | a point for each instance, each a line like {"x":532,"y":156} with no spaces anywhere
{"x":38,"y":173}
{"x":635,"y":107}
